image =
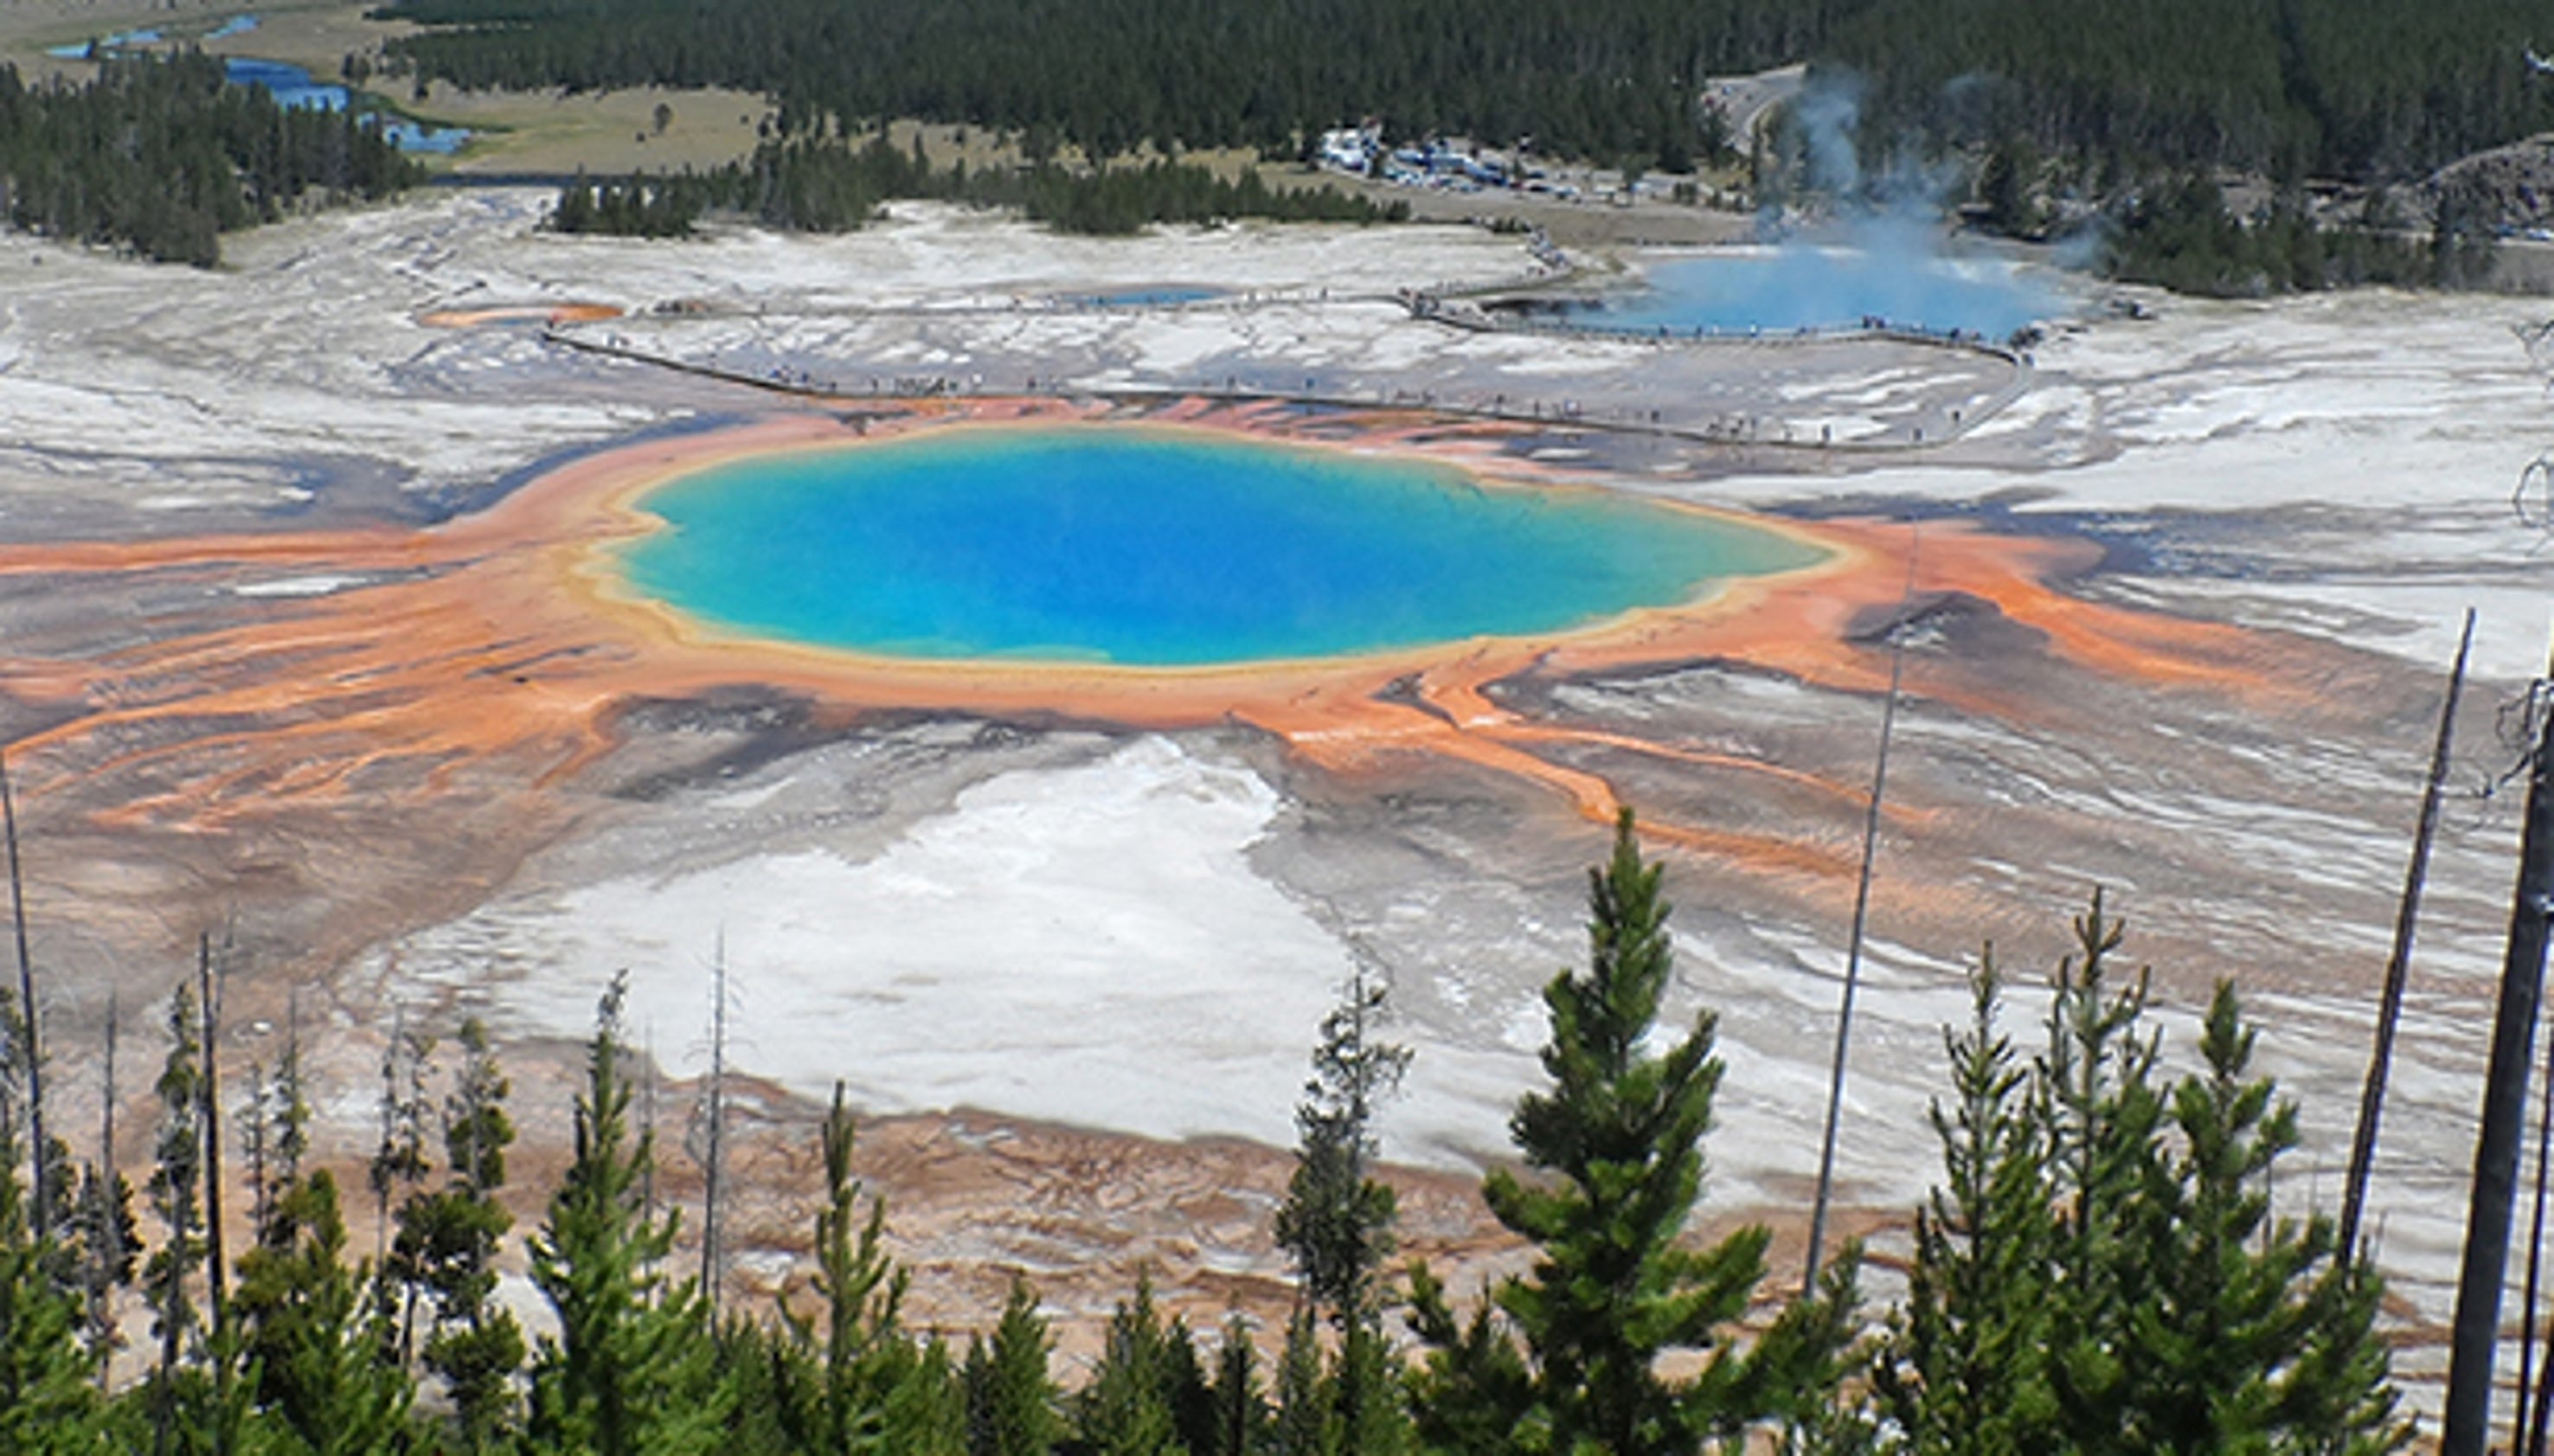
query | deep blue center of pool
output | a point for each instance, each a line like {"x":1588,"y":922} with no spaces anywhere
{"x":1147,"y":548}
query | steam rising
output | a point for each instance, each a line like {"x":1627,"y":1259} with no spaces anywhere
{"x":1827,"y":115}
{"x":1859,"y":247}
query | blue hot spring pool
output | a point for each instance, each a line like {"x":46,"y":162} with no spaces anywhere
{"x":1799,"y":286}
{"x":1154,"y":549}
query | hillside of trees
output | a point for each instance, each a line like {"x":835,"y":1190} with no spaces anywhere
{"x":2130,"y":109}
{"x":2366,"y":90}
{"x":810,"y":185}
{"x":2363,"y":89}
{"x":2137,"y":107}
{"x":1598,"y":79}
{"x":162,"y":156}
{"x":2100,"y":1269}
{"x":2178,"y":233}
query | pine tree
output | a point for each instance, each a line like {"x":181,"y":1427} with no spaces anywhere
{"x":102,"y":1228}
{"x":255,"y":1118}
{"x":1337,"y":1221}
{"x":398,"y":1167}
{"x":2340,"y":1392}
{"x":1368,"y":1395}
{"x":209,"y":979}
{"x":574,"y":211}
{"x":2004,"y":189}
{"x":864,"y":1290}
{"x":48,"y":1408}
{"x":1473,"y":1386}
{"x":288,"y":1127}
{"x":195,"y":1402}
{"x":1963,"y":1369}
{"x":776,"y":1384}
{"x":104,"y":1243}
{"x":630,"y":1372}
{"x":711,"y":1113}
{"x":2095,"y":1098}
{"x":922,"y":1405}
{"x":1240,"y":1409}
{"x":976,"y":1377}
{"x":1130,"y":1408}
{"x":1617,"y":1142}
{"x":1305,"y":1424}
{"x":1010,"y":1398}
{"x":1191,"y":1393}
{"x":1337,"y":1226}
{"x":2219,"y":1361}
{"x":450,"y":1237}
{"x":177,"y":1178}
{"x":2103,"y":1273}
{"x":300,"y":1311}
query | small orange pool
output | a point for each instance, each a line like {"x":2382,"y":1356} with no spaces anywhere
{"x":471,"y":318}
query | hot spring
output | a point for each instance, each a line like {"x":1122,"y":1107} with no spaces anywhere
{"x":1159,"y":548}
{"x":1872,"y":283}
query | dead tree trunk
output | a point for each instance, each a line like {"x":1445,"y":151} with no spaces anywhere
{"x":712,"y":1266}
{"x":2477,"y":1328}
{"x":217,"y":1278}
{"x":383,"y":1176}
{"x":2529,"y":1376}
{"x":2390,"y":1007}
{"x":29,"y":1045}
{"x":1853,"y":948}
{"x":110,"y":1220}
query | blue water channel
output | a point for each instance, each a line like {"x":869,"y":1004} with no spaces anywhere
{"x":83,"y":49}
{"x":294,"y":90}
{"x":1158,"y":548}
{"x":291,"y":85}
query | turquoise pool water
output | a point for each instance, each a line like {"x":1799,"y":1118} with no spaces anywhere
{"x":1157,"y":550}
{"x":1818,"y":287}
